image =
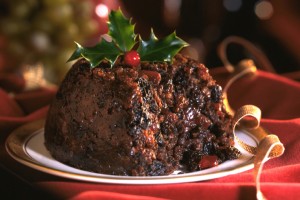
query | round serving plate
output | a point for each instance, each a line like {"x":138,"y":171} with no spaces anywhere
{"x":26,"y":145}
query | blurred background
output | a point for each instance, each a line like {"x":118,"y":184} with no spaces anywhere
{"x":39,"y":34}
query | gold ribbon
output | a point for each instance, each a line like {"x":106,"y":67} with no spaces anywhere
{"x":248,"y":118}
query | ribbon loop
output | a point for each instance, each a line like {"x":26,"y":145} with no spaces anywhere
{"x":269,"y":146}
{"x":247,"y":116}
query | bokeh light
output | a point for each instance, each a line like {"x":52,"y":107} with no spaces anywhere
{"x":102,"y":10}
{"x":232,"y":5}
{"x":264,"y":10}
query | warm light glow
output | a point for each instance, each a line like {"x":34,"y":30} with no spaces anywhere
{"x":264,"y":10}
{"x":34,"y":76}
{"x":101,"y":10}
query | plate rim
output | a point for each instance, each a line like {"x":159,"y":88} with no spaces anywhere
{"x":15,"y":145}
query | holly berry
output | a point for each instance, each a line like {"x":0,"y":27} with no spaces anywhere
{"x":132,"y":58}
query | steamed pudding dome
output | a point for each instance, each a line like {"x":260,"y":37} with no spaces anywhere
{"x":147,"y":121}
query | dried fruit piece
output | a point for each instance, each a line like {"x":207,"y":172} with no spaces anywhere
{"x":208,"y":161}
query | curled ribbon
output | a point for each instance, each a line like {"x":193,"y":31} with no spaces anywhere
{"x":248,"y":118}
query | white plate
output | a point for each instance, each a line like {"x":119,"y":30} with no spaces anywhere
{"x":27,"y":147}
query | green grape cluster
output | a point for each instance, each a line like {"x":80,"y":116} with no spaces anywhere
{"x":44,"y":31}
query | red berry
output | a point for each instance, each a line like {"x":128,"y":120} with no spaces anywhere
{"x":132,"y":58}
{"x":208,"y":161}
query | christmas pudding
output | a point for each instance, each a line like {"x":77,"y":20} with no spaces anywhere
{"x":143,"y":112}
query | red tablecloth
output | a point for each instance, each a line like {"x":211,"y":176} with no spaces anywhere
{"x":278,"y":98}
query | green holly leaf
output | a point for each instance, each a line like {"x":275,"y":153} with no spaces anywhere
{"x":102,"y":51}
{"x":77,"y":53}
{"x":121,"y":30}
{"x":160,"y":50}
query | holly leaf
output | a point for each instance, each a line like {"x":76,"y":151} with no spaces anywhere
{"x":121,"y":30}
{"x":160,"y":50}
{"x":77,"y":53}
{"x":102,"y":51}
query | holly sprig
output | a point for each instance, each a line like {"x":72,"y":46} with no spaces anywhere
{"x":123,"y":40}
